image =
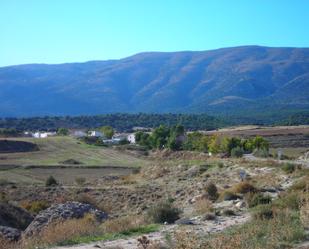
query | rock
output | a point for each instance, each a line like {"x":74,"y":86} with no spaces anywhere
{"x":10,"y":233}
{"x":12,"y":216}
{"x":193,"y":171}
{"x":184,"y":221}
{"x":209,"y":216}
{"x":60,"y":212}
{"x":240,"y":204}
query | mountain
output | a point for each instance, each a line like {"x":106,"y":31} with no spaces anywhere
{"x":227,"y":80}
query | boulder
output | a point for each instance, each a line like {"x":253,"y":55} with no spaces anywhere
{"x":10,"y":233}
{"x":15,"y":217}
{"x":240,"y":204}
{"x":61,"y":212}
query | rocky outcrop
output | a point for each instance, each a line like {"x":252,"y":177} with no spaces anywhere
{"x":15,"y":217}
{"x":61,"y":212}
{"x":10,"y":233}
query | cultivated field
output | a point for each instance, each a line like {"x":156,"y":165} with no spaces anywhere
{"x":56,"y":150}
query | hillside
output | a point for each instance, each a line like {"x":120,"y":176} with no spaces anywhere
{"x":218,"y":81}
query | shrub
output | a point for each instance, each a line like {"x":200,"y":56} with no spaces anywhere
{"x":289,"y":200}
{"x":255,"y":199}
{"x":263,"y":212}
{"x":35,"y":206}
{"x":262,"y":152}
{"x":211,"y":191}
{"x":164,"y":212}
{"x":122,"y":224}
{"x":288,"y":168}
{"x":88,"y":199}
{"x":60,"y":233}
{"x":203,"y":206}
{"x":243,"y":188}
{"x":51,"y":181}
{"x":237,"y":152}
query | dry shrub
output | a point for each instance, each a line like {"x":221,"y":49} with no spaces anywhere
{"x":203,"y":206}
{"x":5,"y":244}
{"x":257,"y":234}
{"x":184,"y":239}
{"x":129,"y":179}
{"x":211,"y":191}
{"x":58,"y":232}
{"x":34,"y":207}
{"x":243,"y":188}
{"x":304,"y":208}
{"x":88,"y":199}
{"x":122,"y":224}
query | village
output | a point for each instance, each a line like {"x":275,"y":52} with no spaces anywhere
{"x":114,"y":139}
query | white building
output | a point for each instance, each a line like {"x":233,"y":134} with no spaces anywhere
{"x":96,"y":134}
{"x":39,"y":134}
{"x":131,"y":138}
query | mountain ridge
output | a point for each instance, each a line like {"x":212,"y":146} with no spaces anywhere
{"x":212,"y":81}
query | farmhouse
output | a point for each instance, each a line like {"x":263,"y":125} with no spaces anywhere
{"x":96,"y":134}
{"x":131,"y":138}
{"x":39,"y":134}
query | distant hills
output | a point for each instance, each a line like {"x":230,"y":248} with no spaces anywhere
{"x":249,"y":79}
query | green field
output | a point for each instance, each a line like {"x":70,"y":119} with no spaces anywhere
{"x":54,"y":150}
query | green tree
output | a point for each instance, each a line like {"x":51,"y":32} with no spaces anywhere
{"x":159,"y":137}
{"x":63,"y":132}
{"x":260,"y":143}
{"x":108,"y":131}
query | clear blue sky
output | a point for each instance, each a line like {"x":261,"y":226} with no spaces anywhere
{"x":56,"y":31}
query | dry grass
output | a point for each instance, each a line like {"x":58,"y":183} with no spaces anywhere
{"x":243,"y":188}
{"x":304,"y":208}
{"x":62,"y":231}
{"x":257,"y":234}
{"x":203,"y":206}
{"x":122,"y":224}
{"x":5,"y":244}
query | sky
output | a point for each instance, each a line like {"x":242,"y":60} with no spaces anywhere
{"x":60,"y":31}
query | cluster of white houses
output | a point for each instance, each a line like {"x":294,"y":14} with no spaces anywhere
{"x":117,"y":138}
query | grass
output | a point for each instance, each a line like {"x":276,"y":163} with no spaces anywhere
{"x":111,"y":236}
{"x":54,"y":150}
{"x":95,"y":162}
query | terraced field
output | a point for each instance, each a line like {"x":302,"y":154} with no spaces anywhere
{"x":54,"y":150}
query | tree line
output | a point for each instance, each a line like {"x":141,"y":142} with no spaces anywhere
{"x":120,"y":122}
{"x":175,"y":138}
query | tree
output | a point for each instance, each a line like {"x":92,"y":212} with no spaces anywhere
{"x":159,"y":137}
{"x":228,"y":144}
{"x":260,"y":143}
{"x":63,"y":131}
{"x":108,"y":131}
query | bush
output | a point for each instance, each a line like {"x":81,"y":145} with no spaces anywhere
{"x":51,"y":181}
{"x":203,"y":206}
{"x":34,"y":207}
{"x":255,"y":199}
{"x":243,"y":188}
{"x":288,"y":168}
{"x":263,"y":212}
{"x":290,"y":201}
{"x":211,"y":191}
{"x":164,"y":212}
{"x":237,"y":152}
{"x":262,"y":152}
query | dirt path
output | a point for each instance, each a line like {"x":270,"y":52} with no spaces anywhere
{"x":198,"y":226}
